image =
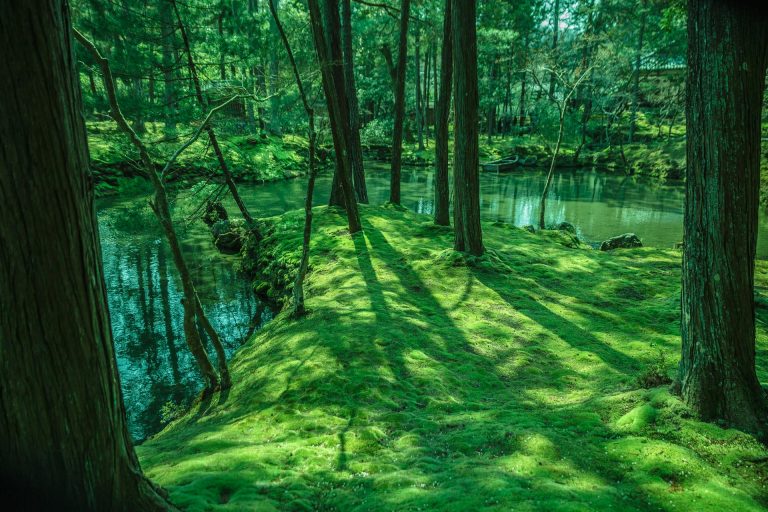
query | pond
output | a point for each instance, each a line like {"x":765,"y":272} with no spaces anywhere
{"x":156,"y":369}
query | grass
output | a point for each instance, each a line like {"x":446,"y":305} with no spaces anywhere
{"x":421,"y":380}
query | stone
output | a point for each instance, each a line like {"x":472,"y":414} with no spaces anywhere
{"x":228,"y":236}
{"x":625,"y":241}
{"x":567,"y":226}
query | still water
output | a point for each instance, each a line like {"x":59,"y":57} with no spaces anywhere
{"x":156,"y":369}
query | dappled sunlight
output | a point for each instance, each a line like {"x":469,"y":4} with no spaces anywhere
{"x":391,"y":396}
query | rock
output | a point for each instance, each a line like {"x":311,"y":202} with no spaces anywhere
{"x":529,"y":228}
{"x":567,"y":226}
{"x":625,"y":241}
{"x":214,"y":212}
{"x":228,"y":235}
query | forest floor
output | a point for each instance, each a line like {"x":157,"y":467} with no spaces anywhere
{"x":527,"y":379}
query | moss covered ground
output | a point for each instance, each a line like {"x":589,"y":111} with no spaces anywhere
{"x":250,"y":157}
{"x":422,"y":380}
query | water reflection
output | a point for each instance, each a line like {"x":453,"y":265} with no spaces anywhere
{"x":144,"y":295}
{"x":600,"y":204}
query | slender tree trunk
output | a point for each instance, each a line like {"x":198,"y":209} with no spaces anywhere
{"x":425,"y":107}
{"x":523,"y":77}
{"x":326,"y":32}
{"x":442,"y":113}
{"x":492,"y":106}
{"x":274,"y":69}
{"x":355,"y":150}
{"x":727,"y":58}
{"x":64,"y":442}
{"x":209,"y":130}
{"x":169,"y":85}
{"x":397,"y":133}
{"x":417,"y":66}
{"x":298,"y":286}
{"x":466,"y":158}
{"x":555,"y":36}
{"x":222,"y":44}
{"x":636,"y":75}
{"x":543,"y":200}
{"x":163,"y":212}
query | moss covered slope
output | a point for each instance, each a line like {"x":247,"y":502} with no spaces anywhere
{"x":420,"y":381}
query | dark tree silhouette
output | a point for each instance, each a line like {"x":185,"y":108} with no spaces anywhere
{"x":64,"y":441}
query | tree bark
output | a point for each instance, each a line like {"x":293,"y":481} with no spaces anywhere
{"x":727,"y":58}
{"x":442,"y":113}
{"x":636,"y":76}
{"x":355,"y":150}
{"x":65,"y":442}
{"x":555,"y":36}
{"x":417,"y":66}
{"x":299,"y":308}
{"x":466,"y":157}
{"x":169,"y":85}
{"x":325,"y":31}
{"x":209,"y":130}
{"x":397,"y":133}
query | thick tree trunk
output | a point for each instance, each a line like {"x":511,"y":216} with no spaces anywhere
{"x":209,"y":130}
{"x":355,"y":150}
{"x":466,"y":157}
{"x":397,"y":133}
{"x":326,"y":32}
{"x":442,"y":113}
{"x":727,"y":57}
{"x":64,"y":441}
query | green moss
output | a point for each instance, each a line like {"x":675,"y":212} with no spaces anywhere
{"x":422,"y":381}
{"x":250,"y":157}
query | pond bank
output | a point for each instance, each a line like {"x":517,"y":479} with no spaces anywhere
{"x":419,"y":381}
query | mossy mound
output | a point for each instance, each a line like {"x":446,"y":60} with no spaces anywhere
{"x":416,"y":385}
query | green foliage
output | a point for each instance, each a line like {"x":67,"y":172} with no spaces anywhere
{"x":419,"y":384}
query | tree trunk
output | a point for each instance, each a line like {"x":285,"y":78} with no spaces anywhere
{"x":163,"y":212}
{"x":274,"y":102}
{"x":442,"y":112}
{"x":636,"y":75}
{"x":425,"y":106}
{"x":325,"y":31}
{"x":169,"y":86}
{"x":65,"y":443}
{"x":209,"y":130}
{"x":466,"y":158}
{"x":543,"y":200}
{"x":417,"y":65}
{"x":555,"y":35}
{"x":397,"y":133}
{"x":355,"y":150}
{"x":492,"y":106}
{"x":727,"y":58}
